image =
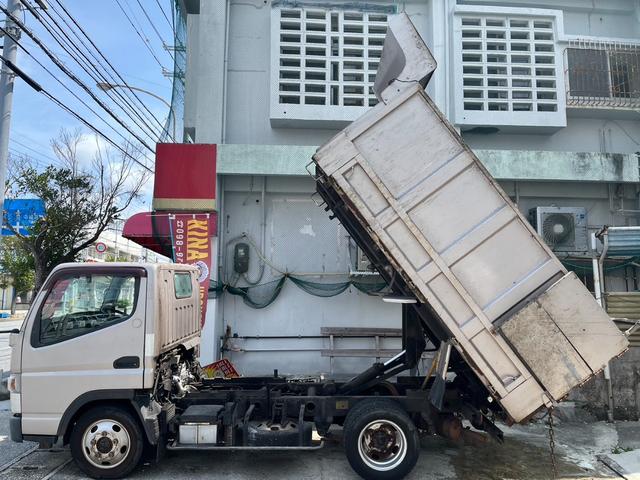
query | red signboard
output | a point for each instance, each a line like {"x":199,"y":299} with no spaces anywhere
{"x":191,"y":238}
{"x":185,"y":177}
{"x":221,"y":369}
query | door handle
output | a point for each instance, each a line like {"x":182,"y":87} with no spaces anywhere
{"x":127,"y":362}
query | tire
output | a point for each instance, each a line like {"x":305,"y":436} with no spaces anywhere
{"x":380,"y":440}
{"x":107,"y":442}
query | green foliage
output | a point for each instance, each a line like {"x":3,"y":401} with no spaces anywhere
{"x":70,"y":208}
{"x":117,"y":258}
{"x":16,"y":265}
{"x":620,"y":449}
{"x":80,"y":201}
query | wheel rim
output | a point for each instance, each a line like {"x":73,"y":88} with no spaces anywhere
{"x":106,"y":443}
{"x":382,"y":445}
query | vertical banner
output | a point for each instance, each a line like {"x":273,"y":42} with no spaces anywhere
{"x":191,"y":238}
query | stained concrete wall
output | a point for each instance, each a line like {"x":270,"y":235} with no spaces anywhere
{"x":300,"y":238}
{"x":625,"y":381}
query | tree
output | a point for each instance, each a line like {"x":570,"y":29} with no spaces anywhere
{"x":80,"y":200}
{"x":17,"y":268}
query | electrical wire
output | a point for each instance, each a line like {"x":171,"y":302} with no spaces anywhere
{"x":91,"y":72}
{"x":37,"y":152}
{"x":84,"y":121}
{"x":18,"y":153}
{"x":20,"y":45}
{"x":93,"y":128}
{"x":88,"y":124}
{"x":92,"y":69}
{"x":145,"y":41}
{"x":166,"y":17}
{"x":73,"y":77}
{"x":118,"y":77}
{"x":153,"y":26}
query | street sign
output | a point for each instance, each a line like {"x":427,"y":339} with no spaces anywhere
{"x":21,"y":213}
{"x":101,"y":247}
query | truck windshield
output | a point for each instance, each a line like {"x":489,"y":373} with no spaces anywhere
{"x":81,"y":304}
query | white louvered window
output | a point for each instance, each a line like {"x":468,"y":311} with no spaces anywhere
{"x":510,"y":70}
{"x":324,"y":63}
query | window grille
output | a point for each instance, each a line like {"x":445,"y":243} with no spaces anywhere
{"x":326,"y":58}
{"x":603,"y":74}
{"x":508,"y":64}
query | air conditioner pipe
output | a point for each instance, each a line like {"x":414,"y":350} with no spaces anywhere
{"x":598,"y":286}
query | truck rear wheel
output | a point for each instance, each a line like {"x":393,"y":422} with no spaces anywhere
{"x":106,"y":442}
{"x":380,"y":440}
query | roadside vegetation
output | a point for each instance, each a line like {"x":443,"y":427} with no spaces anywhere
{"x":81,"y":199}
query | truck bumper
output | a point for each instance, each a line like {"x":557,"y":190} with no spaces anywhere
{"x":15,"y":428}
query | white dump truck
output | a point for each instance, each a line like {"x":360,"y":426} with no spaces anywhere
{"x":107,"y":358}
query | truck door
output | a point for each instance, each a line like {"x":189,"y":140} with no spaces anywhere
{"x":87,"y":335}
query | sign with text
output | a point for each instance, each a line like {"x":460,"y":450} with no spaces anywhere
{"x":221,"y":369}
{"x":191,"y":238}
{"x":21,"y":214}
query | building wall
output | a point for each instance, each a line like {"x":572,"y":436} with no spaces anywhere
{"x":244,"y":116}
{"x":300,"y":239}
{"x":229,"y":89}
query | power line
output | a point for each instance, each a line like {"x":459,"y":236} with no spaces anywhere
{"x":94,"y":72}
{"x":145,"y":41}
{"x":73,"y":77}
{"x":130,"y":95}
{"x":166,"y":16}
{"x":90,"y":71}
{"x":65,"y":86}
{"x":85,"y":122}
{"x":153,"y":26}
{"x":92,"y":127}
{"x":118,"y":75}
{"x":18,"y":153}
{"x":34,"y":150}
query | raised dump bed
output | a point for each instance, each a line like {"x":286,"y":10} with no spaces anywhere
{"x":530,"y":330}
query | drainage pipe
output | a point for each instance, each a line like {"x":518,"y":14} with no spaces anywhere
{"x":599,"y":286}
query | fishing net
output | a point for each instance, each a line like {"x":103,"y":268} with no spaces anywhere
{"x":263,"y":295}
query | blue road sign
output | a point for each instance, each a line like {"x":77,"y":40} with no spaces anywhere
{"x":21,"y":213}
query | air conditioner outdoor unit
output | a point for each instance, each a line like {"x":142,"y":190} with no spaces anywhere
{"x":564,"y":229}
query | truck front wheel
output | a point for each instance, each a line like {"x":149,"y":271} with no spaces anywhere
{"x":381,"y":441}
{"x":106,"y":442}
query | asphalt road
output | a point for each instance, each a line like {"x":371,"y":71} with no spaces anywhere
{"x":524,"y":455}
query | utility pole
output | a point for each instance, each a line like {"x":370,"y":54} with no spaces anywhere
{"x":7,"y":77}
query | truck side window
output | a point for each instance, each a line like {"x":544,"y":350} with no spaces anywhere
{"x":183,"y":285}
{"x":77,"y":305}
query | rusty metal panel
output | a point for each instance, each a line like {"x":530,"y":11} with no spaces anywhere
{"x":585,"y":324}
{"x":544,"y":348}
{"x":625,"y":305}
{"x":448,"y":226}
{"x":444,"y":222}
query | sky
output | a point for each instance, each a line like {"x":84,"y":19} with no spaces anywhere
{"x":36,"y":120}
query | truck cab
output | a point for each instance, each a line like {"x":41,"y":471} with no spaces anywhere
{"x":92,"y":340}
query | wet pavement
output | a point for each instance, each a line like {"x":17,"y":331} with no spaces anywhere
{"x":525,"y":454}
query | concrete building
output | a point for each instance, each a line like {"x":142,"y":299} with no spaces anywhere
{"x":111,"y":246}
{"x":546,"y":92}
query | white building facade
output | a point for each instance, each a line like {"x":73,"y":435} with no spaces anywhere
{"x":547,"y":93}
